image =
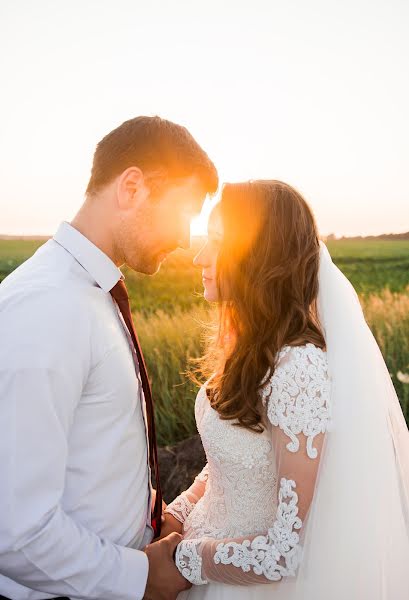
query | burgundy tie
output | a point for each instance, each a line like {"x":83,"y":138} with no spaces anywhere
{"x":120,"y":295}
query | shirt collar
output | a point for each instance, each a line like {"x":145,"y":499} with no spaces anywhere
{"x":101,"y":268}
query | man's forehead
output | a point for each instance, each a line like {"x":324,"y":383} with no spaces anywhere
{"x":192,"y":193}
{"x":215,"y":225}
{"x":198,"y":201}
{"x":197,"y":185}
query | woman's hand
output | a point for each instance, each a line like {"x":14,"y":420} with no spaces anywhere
{"x":169,"y":525}
{"x":153,"y":499}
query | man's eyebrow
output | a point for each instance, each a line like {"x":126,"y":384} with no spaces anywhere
{"x":194,"y":207}
{"x":214,"y":232}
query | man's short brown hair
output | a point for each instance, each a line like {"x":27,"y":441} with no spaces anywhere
{"x":154,"y":145}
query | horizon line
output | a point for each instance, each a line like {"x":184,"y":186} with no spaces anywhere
{"x":333,"y":236}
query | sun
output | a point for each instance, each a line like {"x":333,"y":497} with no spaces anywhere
{"x":198,"y":226}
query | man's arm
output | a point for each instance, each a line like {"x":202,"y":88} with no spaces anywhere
{"x":44,"y":364}
{"x":41,"y":547}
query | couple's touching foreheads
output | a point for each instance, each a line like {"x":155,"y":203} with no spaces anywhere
{"x":305,"y":491}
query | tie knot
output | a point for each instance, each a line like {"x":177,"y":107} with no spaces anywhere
{"x":119,"y":291}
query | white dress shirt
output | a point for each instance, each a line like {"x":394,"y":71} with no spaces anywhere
{"x":75,"y":489}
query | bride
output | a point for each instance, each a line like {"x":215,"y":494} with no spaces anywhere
{"x":305,"y":494}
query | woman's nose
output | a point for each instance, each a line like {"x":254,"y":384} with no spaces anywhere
{"x":199,"y":259}
{"x":196,"y":260}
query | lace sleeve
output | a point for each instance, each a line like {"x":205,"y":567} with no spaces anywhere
{"x":296,"y":398}
{"x":183,"y":504}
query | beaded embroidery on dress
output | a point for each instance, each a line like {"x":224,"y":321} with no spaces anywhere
{"x":339,"y":495}
{"x":246,"y":523}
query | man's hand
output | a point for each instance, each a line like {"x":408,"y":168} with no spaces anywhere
{"x":164,"y":580}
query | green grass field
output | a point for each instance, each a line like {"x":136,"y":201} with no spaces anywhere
{"x":14,"y":252}
{"x":373,"y":265}
{"x":168,"y":310}
{"x":370,"y":266}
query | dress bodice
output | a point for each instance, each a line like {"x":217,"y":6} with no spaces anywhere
{"x":241,"y":490}
{"x":240,"y":475}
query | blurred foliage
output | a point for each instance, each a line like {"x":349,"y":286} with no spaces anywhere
{"x":169,"y":311}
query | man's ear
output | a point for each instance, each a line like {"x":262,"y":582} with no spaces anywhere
{"x":131,"y":188}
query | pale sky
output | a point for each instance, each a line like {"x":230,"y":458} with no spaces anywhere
{"x":313,"y":92}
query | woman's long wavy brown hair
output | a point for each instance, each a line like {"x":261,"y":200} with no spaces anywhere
{"x":267,"y":276}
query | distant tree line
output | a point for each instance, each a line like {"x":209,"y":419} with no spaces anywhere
{"x":328,"y":238}
{"x":384,"y":236}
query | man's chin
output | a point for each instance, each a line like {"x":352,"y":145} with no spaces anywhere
{"x":147,"y":268}
{"x":155,"y":269}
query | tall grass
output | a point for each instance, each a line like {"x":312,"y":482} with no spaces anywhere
{"x":168,"y":310}
{"x":370,"y":266}
{"x":387,"y":315}
{"x":169,"y":341}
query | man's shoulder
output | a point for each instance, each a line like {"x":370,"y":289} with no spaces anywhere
{"x":48,"y":264}
{"x":50,"y":271}
{"x":50,"y":284}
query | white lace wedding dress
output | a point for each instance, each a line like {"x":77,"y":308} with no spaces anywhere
{"x":317,"y":506}
{"x":243,"y":516}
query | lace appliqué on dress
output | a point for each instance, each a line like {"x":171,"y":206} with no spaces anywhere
{"x":297,"y":395}
{"x":265,"y":553}
{"x":182,"y":505}
{"x":189,"y":562}
{"x":241,"y":497}
{"x":241,"y":469}
{"x":180,"y":508}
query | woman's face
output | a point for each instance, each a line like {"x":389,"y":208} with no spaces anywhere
{"x":207,"y":257}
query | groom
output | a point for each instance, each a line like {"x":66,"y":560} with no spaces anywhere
{"x":77,"y":436}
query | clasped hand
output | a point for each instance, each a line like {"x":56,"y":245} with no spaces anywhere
{"x":164,"y":580}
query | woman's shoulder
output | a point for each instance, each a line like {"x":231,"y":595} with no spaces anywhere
{"x":297,"y":367}
{"x":297,"y":395}
{"x":302,"y":353}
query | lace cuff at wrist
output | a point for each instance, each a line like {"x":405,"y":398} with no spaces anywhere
{"x":189,"y":562}
{"x":180,"y":508}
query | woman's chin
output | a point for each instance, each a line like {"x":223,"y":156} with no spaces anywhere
{"x":210,"y":295}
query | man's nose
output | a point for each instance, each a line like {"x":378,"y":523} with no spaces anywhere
{"x":184,"y":239}
{"x":184,"y":243}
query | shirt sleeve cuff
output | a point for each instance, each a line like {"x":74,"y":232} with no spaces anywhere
{"x":133,"y":576}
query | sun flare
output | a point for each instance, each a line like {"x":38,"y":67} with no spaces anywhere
{"x":198,"y":226}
